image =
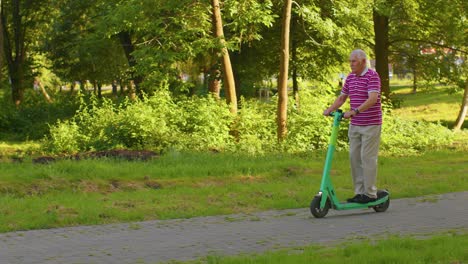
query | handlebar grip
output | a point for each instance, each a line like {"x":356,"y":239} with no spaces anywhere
{"x":339,"y":111}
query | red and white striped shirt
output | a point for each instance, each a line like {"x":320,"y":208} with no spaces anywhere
{"x":358,"y":89}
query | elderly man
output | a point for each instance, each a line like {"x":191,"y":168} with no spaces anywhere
{"x":362,"y":86}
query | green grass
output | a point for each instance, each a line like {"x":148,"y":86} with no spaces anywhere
{"x":18,"y":149}
{"x":434,"y":104}
{"x":68,"y":193}
{"x":445,"y":248}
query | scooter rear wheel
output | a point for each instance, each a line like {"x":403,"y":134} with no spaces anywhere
{"x":315,"y":207}
{"x":383,"y":206}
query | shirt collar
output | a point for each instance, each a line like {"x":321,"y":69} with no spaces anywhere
{"x":364,"y":71}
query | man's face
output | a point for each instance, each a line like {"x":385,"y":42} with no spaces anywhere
{"x":357,"y":65}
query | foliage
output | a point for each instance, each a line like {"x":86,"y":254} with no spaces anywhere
{"x":160,"y":123}
{"x":204,"y":124}
{"x":77,"y":48}
{"x":404,"y":137}
{"x":30,"y":119}
{"x":308,"y":128}
{"x":255,"y":127}
{"x":156,"y":123}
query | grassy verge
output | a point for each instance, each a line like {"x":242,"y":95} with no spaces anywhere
{"x":435,"y":104}
{"x":446,"y":248}
{"x":177,"y":185}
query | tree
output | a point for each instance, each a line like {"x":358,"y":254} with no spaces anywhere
{"x":229,"y":82}
{"x":77,"y":46}
{"x":463,"y":109}
{"x":283,"y":74}
{"x":381,"y":45}
{"x":18,"y":20}
{"x":434,"y":47}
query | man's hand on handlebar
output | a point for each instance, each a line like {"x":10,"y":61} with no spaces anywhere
{"x":327,"y":112}
{"x":349,"y":114}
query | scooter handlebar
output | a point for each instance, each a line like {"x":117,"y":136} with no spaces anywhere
{"x":337,"y":112}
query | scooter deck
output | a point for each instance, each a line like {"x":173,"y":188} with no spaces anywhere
{"x":347,"y":206}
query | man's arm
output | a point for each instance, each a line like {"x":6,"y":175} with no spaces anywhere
{"x":338,"y":102}
{"x":373,"y":97}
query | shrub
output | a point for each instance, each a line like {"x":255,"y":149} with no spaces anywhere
{"x":401,"y":136}
{"x":204,"y":123}
{"x":64,"y":137}
{"x":31,"y":119}
{"x":255,"y":127}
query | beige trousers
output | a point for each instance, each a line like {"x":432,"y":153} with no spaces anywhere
{"x":364,"y":144}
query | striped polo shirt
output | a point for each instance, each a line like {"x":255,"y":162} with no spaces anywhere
{"x":358,"y":89}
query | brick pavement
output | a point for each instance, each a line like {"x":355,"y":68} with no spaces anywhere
{"x":186,"y":239}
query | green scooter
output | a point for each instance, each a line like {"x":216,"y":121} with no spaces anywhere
{"x":327,"y":198}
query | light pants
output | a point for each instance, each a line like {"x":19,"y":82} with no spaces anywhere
{"x":363,"y":151}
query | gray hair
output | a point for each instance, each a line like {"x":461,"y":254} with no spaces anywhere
{"x":359,"y":53}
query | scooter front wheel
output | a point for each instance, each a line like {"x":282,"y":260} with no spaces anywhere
{"x":315,"y":207}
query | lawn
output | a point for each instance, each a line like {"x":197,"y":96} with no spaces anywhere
{"x":181,"y":185}
{"x":434,"y":104}
{"x":442,"y":248}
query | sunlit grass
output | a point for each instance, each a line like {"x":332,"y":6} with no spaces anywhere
{"x":187,"y":185}
{"x":435,"y":104}
{"x":445,"y":248}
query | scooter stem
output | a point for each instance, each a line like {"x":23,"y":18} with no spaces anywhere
{"x":326,"y":185}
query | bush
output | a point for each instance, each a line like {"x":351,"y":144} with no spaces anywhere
{"x":203,"y":123}
{"x":31,"y":119}
{"x":405,"y":137}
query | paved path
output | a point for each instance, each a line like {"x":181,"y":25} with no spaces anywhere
{"x":161,"y":241}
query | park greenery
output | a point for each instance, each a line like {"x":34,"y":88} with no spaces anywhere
{"x":183,"y":184}
{"x":228,"y":95}
{"x":442,"y":248}
{"x":186,"y":74}
{"x":182,"y":79}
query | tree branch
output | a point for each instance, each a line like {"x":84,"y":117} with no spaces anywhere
{"x":371,"y":44}
{"x":429,"y":42}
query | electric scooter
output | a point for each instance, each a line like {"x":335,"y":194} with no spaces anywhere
{"x":327,"y":198}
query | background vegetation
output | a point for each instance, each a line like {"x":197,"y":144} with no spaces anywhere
{"x":95,"y":75}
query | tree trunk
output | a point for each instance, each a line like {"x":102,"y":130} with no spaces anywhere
{"x":214,"y":84}
{"x":95,"y":87}
{"x":122,"y":87}
{"x":463,"y":109}
{"x":294,"y":75}
{"x":127,"y":45}
{"x":114,"y":88}
{"x":99,"y":88}
{"x":415,"y":79}
{"x":283,"y":75}
{"x":381,"y":50}
{"x":229,"y":82}
{"x":41,"y":87}
{"x":2,"y":46}
{"x":83,"y":87}
{"x":131,"y":91}
{"x":14,"y":49}
{"x":72,"y":87}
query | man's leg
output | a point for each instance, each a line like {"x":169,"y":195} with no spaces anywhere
{"x":355,"y":159}
{"x":369,"y":155}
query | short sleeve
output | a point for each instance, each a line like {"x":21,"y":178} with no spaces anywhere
{"x":345,"y":88}
{"x":374,"y":83}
